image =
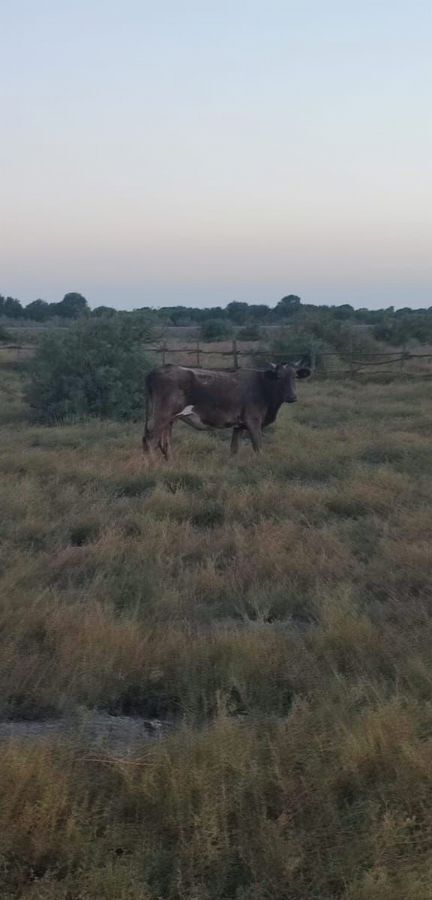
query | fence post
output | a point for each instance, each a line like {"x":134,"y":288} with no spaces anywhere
{"x":402,"y":359}
{"x":164,"y":349}
{"x":235,"y":354}
{"x":313,"y":358}
{"x":198,"y":354}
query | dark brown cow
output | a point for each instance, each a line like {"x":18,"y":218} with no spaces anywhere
{"x":244,"y":400}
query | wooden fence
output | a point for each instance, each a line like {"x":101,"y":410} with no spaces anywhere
{"x":242,"y":354}
{"x":350,"y":362}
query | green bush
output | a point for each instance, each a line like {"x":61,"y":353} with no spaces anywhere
{"x":329,"y":342}
{"x":290,"y":345}
{"x":344,"y":338}
{"x":216,"y":330}
{"x":250,"y":332}
{"x":4,"y":335}
{"x":95,"y":368}
{"x":400,"y":329}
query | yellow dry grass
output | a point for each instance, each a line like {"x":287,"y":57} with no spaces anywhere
{"x":278,"y":608}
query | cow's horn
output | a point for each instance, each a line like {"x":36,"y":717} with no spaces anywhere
{"x":304,"y":361}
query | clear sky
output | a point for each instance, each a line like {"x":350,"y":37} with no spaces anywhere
{"x":156,"y":153}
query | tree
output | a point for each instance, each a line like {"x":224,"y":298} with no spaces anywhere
{"x":213,"y":312}
{"x":404,"y":311}
{"x":288,"y":306}
{"x":216,"y":330}
{"x":12,"y":308}
{"x":103,"y":312}
{"x":238,"y":312}
{"x":177,"y":315}
{"x":344,"y":311}
{"x":258,"y":312}
{"x":38,"y":310}
{"x":73,"y":306}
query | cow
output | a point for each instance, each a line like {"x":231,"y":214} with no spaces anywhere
{"x":246,"y":400}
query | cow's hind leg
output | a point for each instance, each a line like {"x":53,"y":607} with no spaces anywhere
{"x":235,"y":440}
{"x":158,"y":436}
{"x":165,"y":441}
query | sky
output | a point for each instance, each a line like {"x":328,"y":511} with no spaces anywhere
{"x":195,"y":153}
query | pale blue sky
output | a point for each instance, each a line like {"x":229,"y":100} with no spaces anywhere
{"x":199,"y":152}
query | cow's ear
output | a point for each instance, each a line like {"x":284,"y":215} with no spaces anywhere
{"x":303,"y":367}
{"x":303,"y":372}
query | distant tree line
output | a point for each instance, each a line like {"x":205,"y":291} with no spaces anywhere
{"x":73,"y":306}
{"x":390,"y":325}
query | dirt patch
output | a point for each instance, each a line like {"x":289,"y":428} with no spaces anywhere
{"x":119,"y":734}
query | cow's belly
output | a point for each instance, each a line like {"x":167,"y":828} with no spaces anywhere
{"x":215,"y":418}
{"x":190,"y":417}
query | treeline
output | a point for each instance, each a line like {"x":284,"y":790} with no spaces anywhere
{"x":73,"y":306}
{"x":389,"y":325}
{"x":395,"y":326}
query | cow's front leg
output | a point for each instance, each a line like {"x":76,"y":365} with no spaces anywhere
{"x":255,"y":431}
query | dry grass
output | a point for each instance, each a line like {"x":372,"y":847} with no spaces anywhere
{"x":280,"y":608}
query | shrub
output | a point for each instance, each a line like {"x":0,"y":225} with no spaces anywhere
{"x":290,"y":345}
{"x":293,"y":344}
{"x":320,"y":337}
{"x":4,"y":335}
{"x":96,"y":368}
{"x":400,"y":329}
{"x":249,"y":333}
{"x":216,"y":330}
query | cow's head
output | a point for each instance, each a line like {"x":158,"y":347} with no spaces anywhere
{"x":286,"y":375}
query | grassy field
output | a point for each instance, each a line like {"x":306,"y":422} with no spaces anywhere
{"x":278,"y":608}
